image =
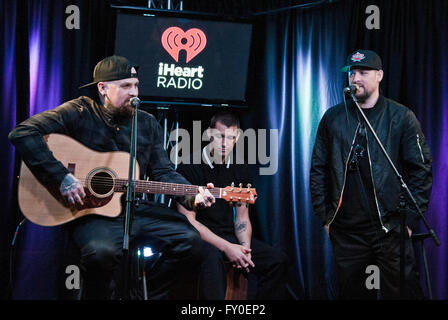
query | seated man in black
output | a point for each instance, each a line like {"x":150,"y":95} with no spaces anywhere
{"x":227,"y":238}
{"x":103,"y":123}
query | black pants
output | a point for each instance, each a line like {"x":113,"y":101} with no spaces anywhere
{"x":101,"y":240}
{"x":271,"y":266}
{"x":354,"y":252}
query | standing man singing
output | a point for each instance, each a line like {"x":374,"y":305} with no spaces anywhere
{"x":354,"y":190}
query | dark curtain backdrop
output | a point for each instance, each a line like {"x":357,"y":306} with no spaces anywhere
{"x":294,"y":79}
{"x":42,"y":65}
{"x":298,"y":55}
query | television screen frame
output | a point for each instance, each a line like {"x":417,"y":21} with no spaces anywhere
{"x":167,"y":100}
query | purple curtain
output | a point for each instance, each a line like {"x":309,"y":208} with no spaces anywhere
{"x":43,"y":63}
{"x":296,"y":55}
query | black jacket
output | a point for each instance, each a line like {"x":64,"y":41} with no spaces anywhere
{"x":402,"y":137}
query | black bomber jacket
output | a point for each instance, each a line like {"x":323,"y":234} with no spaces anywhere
{"x":399,"y":131}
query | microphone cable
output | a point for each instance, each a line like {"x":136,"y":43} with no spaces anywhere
{"x":11,"y":256}
{"x":346,"y":108}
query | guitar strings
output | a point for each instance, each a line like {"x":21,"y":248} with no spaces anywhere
{"x":148,"y":185}
{"x":109,"y":180}
{"x":159,"y":187}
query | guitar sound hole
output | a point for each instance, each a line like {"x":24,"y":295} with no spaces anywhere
{"x":102,"y":183}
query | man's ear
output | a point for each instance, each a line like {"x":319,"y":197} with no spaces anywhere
{"x":238,"y":135}
{"x":379,"y":75}
{"x":209,"y":134}
{"x":101,"y":88}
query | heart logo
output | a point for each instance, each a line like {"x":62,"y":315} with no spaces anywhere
{"x":193,"y":41}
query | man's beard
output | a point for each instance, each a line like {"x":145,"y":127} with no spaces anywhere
{"x":124,"y":112}
{"x":121,"y":113}
{"x":362,"y":98}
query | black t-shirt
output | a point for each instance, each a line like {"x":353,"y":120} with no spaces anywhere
{"x":358,"y":209}
{"x":219,"y":217}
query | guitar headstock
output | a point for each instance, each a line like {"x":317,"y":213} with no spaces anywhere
{"x":239,"y":195}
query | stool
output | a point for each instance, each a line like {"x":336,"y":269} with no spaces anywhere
{"x":236,"y":285}
{"x":146,"y":259}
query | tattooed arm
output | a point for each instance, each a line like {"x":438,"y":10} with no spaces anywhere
{"x":243,"y":227}
{"x":243,"y":230}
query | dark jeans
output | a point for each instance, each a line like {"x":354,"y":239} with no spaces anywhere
{"x":271,"y":266}
{"x":354,"y":252}
{"x":100,"y":240}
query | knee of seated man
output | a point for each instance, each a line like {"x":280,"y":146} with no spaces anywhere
{"x":100,"y":254}
{"x":279,"y":258}
{"x":189,"y":243}
{"x":210,"y":254}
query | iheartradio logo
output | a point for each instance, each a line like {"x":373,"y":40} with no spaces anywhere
{"x":193,"y":41}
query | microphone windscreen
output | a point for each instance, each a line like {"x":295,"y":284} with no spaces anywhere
{"x":135,"y":102}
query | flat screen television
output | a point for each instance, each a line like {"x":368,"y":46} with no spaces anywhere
{"x":186,"y":57}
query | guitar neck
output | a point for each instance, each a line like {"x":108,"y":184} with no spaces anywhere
{"x":156,"y":187}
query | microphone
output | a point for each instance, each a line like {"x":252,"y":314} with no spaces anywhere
{"x":352,"y":89}
{"x":135,"y":102}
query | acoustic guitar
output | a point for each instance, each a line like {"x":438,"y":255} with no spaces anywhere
{"x":101,"y":174}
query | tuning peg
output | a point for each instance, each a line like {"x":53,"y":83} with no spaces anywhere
{"x":247,"y":205}
{"x":230,"y":204}
{"x":248,"y":187}
{"x":232,"y":185}
{"x":239,"y":204}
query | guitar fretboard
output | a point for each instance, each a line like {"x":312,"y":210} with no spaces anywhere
{"x":156,"y":187}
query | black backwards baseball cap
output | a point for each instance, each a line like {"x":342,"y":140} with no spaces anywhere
{"x":363,"y":58}
{"x":112,"y":68}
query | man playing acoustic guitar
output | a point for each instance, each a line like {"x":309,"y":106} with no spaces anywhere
{"x":103,"y":124}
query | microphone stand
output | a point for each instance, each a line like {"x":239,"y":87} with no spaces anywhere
{"x":402,"y":206}
{"x":130,"y":200}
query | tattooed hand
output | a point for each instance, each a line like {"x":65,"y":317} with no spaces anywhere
{"x":72,"y":191}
